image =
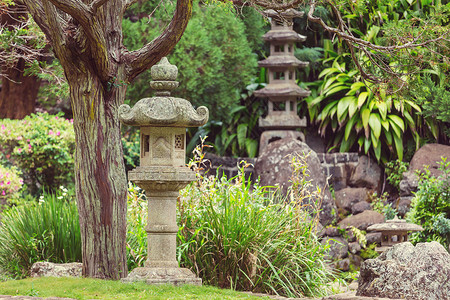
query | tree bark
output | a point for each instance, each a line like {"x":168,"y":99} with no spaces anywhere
{"x":99,"y":176}
{"x":18,"y":93}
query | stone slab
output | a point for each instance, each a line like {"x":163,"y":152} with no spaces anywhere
{"x":175,"y":276}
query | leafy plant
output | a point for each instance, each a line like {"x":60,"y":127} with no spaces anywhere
{"x":42,"y":147}
{"x":394,"y":170}
{"x":381,"y":205}
{"x":131,"y":150}
{"x":48,"y":231}
{"x":235,"y":235}
{"x":10,"y":181}
{"x":430,"y":207}
{"x":359,"y":113}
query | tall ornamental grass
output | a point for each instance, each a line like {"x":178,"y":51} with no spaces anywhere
{"x":48,"y":231}
{"x":234,"y":235}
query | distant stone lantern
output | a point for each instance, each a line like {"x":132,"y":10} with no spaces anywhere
{"x":282,"y":90}
{"x":162,"y":172}
{"x":393,"y":232}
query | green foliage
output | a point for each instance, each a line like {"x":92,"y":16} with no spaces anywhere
{"x":381,"y":205}
{"x":131,"y":151}
{"x":369,"y":252}
{"x":234,"y":235}
{"x":48,"y":231}
{"x":434,"y":99}
{"x":42,"y":147}
{"x":430,"y":207}
{"x":394,"y":170}
{"x":10,"y":181}
{"x":136,"y":222}
{"x":238,"y":135}
{"x":214,"y":58}
{"x":359,"y":114}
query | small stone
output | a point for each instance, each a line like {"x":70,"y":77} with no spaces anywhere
{"x":338,"y":248}
{"x":332,"y":231}
{"x":343,"y":264}
{"x":346,"y":198}
{"x":360,"y":207}
{"x":354,"y":247}
{"x":373,"y":237}
{"x":48,"y":269}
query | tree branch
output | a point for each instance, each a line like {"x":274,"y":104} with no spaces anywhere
{"x":140,"y":60}
{"x":37,"y":12}
{"x":56,"y":30}
{"x":96,"y":4}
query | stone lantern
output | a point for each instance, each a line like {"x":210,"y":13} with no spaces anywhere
{"x":393,"y":232}
{"x":282,"y":90}
{"x":162,"y":172}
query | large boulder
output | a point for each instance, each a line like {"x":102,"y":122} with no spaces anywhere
{"x":429,"y":155}
{"x":362,"y":220}
{"x":48,"y":269}
{"x":407,"y":272}
{"x":366,"y":174}
{"x":273,"y":166}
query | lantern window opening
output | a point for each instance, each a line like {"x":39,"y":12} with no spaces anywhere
{"x":145,"y":145}
{"x":179,"y":141}
{"x":279,"y":48}
{"x":278,"y":75}
{"x":278,"y":106}
{"x":291,"y":75}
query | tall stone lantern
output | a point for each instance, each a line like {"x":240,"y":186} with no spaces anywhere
{"x":282,"y":90}
{"x":162,"y":120}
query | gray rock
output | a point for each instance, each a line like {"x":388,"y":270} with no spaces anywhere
{"x":332,"y":231}
{"x":403,"y":206}
{"x":362,"y":220}
{"x":343,"y":264}
{"x":409,"y":183}
{"x":338,"y":248}
{"x":359,"y":207}
{"x":347,"y":197}
{"x":407,"y":272}
{"x":355,"y":260}
{"x":352,"y":296}
{"x":373,"y":237}
{"x":366,"y":174}
{"x":429,"y":155}
{"x":354,"y":247}
{"x":273,"y":166}
{"x":48,"y":269}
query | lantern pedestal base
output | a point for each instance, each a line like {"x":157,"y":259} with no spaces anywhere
{"x":175,"y":276}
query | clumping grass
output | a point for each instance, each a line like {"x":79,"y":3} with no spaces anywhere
{"x":87,"y":288}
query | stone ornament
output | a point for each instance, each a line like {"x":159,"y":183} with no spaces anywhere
{"x":162,"y":172}
{"x":393,"y":232}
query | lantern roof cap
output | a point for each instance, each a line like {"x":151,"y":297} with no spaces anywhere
{"x":282,"y":61}
{"x":289,"y":13}
{"x":283,"y":35}
{"x":163,"y":110}
{"x":395,"y":225}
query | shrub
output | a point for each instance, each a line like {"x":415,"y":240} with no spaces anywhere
{"x":430,"y":207}
{"x":47,"y":231}
{"x":379,"y":204}
{"x":131,"y":151}
{"x":394,"y":170}
{"x":10,"y":181}
{"x":42,"y":146}
{"x":233,"y":235}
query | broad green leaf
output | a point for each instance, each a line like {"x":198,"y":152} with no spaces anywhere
{"x":352,"y":107}
{"x":357,"y":85}
{"x":241,"y":134}
{"x":377,"y":151}
{"x":385,"y":124}
{"x":388,"y":136}
{"x":396,"y":129}
{"x":237,"y":109}
{"x":331,"y":86}
{"x":367,"y":144}
{"x":325,"y":112}
{"x":315,"y":101}
{"x":333,"y":111}
{"x":328,"y":71}
{"x":335,"y":90}
{"x":252,"y":147}
{"x":398,"y":121}
{"x":361,"y":142}
{"x":410,"y":120}
{"x":342,"y":107}
{"x":374,"y":139}
{"x":365,"y":114}
{"x":375,"y":125}
{"x":349,"y":126}
{"x":362,"y":98}
{"x":414,"y":105}
{"x":328,"y":82}
{"x":382,"y":108}
{"x":398,"y":146}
